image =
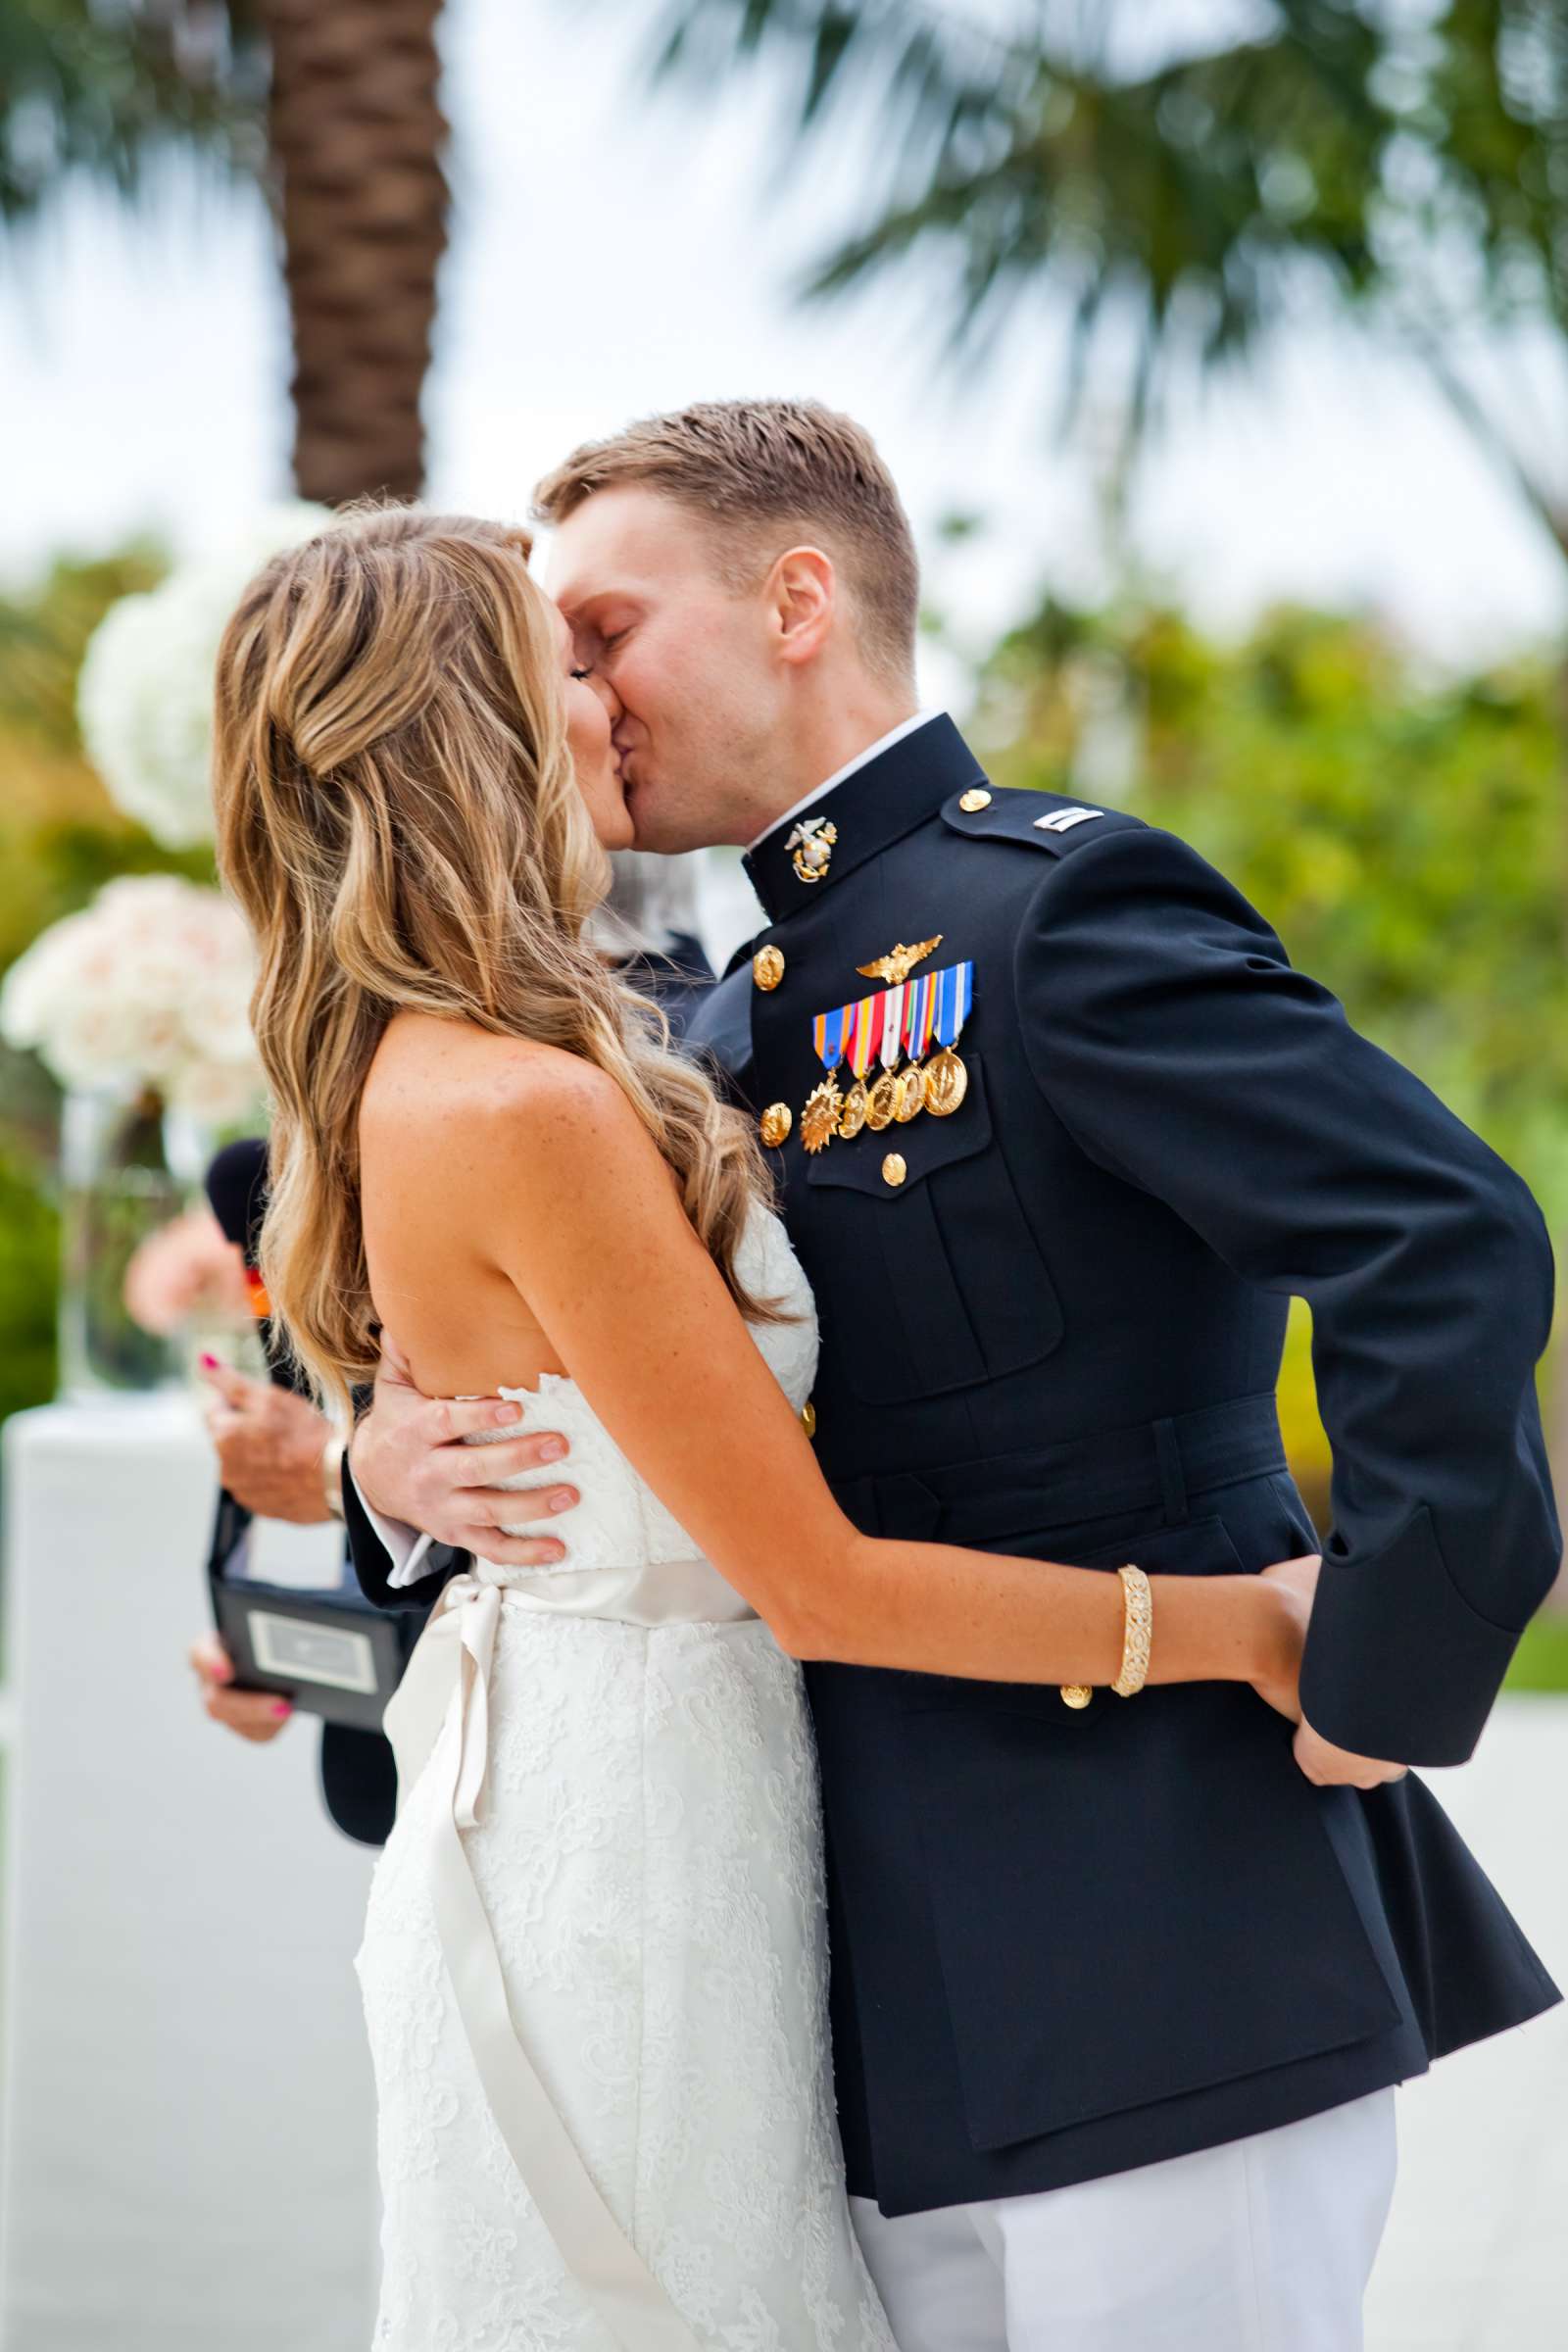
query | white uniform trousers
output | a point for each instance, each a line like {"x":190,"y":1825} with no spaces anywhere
{"x":1261,"y":2245}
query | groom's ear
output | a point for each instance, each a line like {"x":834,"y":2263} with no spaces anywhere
{"x":802,"y":594}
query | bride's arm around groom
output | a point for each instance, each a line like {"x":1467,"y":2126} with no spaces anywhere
{"x":572,"y":1201}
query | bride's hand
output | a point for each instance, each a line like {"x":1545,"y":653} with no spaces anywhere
{"x":1294,"y":1583}
{"x":1329,"y":1767}
{"x":1325,"y":1765}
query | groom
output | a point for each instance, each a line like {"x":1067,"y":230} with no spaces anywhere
{"x":1119,"y":1991}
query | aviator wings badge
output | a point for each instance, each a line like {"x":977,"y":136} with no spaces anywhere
{"x":896,"y":967}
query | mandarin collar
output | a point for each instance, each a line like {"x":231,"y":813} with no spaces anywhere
{"x":873,"y":808}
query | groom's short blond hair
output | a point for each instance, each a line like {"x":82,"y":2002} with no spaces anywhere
{"x":757,"y":470}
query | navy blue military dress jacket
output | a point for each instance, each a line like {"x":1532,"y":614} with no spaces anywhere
{"x":1067,"y":1941}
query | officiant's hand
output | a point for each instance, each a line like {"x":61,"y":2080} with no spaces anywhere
{"x":410,"y":1463}
{"x":255,"y":1715}
{"x":270,"y":1444}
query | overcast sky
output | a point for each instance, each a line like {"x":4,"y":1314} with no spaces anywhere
{"x":615,"y":252}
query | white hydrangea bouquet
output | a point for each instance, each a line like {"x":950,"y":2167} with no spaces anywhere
{"x":147,"y":990}
{"x":144,"y":698}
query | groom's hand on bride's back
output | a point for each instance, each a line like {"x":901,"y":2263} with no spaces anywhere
{"x":410,"y":1462}
{"x":1324,"y":1764}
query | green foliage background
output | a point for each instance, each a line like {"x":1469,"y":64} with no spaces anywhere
{"x":61,"y":839}
{"x":1406,"y":833}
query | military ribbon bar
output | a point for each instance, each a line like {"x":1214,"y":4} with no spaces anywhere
{"x":955,"y":993}
{"x":889,"y":1045}
{"x":861,"y":1036}
{"x":827,"y":1035}
{"x":920,"y":1012}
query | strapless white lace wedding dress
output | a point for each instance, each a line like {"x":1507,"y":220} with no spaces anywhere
{"x":595,"y":1964}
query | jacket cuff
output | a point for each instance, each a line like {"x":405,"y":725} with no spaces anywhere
{"x":389,"y":1559}
{"x":1398,"y":1663}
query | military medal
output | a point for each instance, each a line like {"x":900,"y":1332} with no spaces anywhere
{"x":947,"y":1081}
{"x":882,"y":1108}
{"x":920,"y":1012}
{"x":861,"y":1038}
{"x":819,"y":1121}
{"x":903,"y":1021}
{"x":812,"y":847}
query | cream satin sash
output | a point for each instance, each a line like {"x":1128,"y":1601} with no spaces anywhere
{"x":440,"y":1720}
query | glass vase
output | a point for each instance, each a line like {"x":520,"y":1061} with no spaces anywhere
{"x":128,"y":1166}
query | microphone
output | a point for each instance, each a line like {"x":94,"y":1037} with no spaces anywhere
{"x":236,"y":1186}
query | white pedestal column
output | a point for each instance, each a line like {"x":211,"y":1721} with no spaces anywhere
{"x":188,"y":2150}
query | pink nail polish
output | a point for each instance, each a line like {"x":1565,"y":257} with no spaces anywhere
{"x":208,"y":1363}
{"x":562,"y":1501}
{"x":282,"y":1707}
{"x":552,"y":1450}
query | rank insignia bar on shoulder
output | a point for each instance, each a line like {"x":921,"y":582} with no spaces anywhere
{"x":1062,"y":820}
{"x":897,"y":1026}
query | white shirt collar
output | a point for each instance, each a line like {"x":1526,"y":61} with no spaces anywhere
{"x":872,"y":751}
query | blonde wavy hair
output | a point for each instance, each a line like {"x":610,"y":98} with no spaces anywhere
{"x":398,"y":820}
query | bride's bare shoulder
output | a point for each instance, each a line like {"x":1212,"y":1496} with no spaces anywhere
{"x":452,"y":1084}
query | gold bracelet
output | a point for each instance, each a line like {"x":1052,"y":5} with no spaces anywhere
{"x":332,"y":1453}
{"x":1139,"y":1602}
{"x":1137,"y":1615}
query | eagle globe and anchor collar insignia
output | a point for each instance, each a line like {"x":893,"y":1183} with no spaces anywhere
{"x":797,"y":866}
{"x":810,"y":847}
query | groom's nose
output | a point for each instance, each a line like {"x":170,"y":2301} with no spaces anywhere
{"x":606,"y":695}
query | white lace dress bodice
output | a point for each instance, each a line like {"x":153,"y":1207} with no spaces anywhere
{"x":620,"y":1536}
{"x":609,"y":1802}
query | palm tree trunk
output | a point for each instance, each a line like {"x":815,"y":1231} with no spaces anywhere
{"x":357,"y":138}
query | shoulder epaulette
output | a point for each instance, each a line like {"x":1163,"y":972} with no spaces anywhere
{"x":1045,"y":820}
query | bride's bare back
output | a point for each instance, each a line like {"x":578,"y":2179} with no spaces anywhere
{"x":435,"y":1147}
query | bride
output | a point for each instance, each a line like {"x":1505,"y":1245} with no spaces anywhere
{"x":594,"y":1962}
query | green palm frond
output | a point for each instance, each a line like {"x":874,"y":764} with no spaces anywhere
{"x":104,"y":91}
{"x":1497,"y":110}
{"x":1190,"y":200}
{"x":1413,"y":166}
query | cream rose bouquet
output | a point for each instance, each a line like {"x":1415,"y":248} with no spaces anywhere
{"x":149,"y":987}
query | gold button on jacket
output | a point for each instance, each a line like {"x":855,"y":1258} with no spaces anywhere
{"x":971,"y":802}
{"x":775,"y":1123}
{"x":767,"y":967}
{"x":894,"y":1169}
